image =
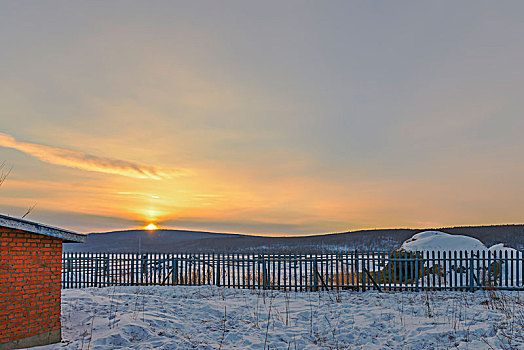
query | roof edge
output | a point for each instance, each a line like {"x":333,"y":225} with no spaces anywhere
{"x":33,"y":227}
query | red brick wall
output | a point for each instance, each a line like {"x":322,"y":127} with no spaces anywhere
{"x":30,"y":269}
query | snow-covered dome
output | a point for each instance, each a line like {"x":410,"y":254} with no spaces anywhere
{"x":436,"y":240}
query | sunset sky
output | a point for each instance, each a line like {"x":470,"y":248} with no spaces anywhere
{"x":285,"y":117}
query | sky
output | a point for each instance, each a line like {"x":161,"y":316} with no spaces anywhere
{"x":267,"y":117}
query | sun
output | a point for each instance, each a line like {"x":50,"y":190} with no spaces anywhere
{"x":151,"y":227}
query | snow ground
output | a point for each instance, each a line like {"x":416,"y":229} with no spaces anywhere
{"x":209,"y":317}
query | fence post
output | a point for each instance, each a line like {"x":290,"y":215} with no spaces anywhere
{"x":506,"y":267}
{"x":147,"y":269}
{"x":315,"y":274}
{"x":363,"y":273}
{"x":174,"y":266}
{"x":106,"y":271}
{"x":217,"y":273}
{"x":132,"y":261}
{"x":471,"y":285}
{"x":69,"y":269}
{"x":264,"y":272}
{"x":96,"y":272}
{"x":416,"y":271}
{"x":356,"y":270}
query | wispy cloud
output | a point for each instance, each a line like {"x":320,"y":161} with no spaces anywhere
{"x":84,"y":161}
{"x":139,"y":195}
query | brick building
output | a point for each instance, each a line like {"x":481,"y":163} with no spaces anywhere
{"x":30,"y":281}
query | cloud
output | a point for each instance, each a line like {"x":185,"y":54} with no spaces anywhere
{"x":80,"y":160}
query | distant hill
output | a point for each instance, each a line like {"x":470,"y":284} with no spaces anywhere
{"x":179,"y":241}
{"x":142,"y":240}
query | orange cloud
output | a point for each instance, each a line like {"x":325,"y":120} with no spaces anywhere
{"x":84,"y":161}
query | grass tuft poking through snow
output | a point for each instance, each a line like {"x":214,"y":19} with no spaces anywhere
{"x":209,"y":317}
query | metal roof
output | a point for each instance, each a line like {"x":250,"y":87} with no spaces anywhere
{"x":33,"y":227}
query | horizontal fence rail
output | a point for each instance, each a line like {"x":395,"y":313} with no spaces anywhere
{"x":435,"y":270}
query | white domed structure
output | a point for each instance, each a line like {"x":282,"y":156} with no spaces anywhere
{"x":436,"y":240}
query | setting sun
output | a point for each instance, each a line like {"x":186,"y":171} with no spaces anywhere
{"x":151,"y":227}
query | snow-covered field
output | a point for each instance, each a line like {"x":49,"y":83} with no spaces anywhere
{"x":209,"y":317}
